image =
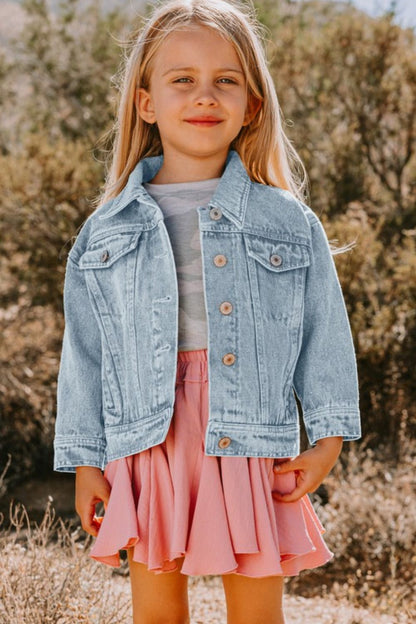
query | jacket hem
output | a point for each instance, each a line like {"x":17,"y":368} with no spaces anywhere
{"x":280,"y":440}
{"x":340,"y":420}
{"x":73,"y":451}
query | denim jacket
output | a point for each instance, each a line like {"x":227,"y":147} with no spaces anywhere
{"x":263,"y":251}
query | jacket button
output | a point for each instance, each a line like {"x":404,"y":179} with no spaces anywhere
{"x":215,"y":213}
{"x":105,"y":256}
{"x":276,"y":260}
{"x":226,"y":307}
{"x":228,"y":359}
{"x":224,"y":442}
{"x":220,"y":260}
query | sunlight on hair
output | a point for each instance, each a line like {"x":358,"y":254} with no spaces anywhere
{"x":337,"y":250}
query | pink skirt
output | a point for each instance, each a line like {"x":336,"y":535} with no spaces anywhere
{"x":172,"y":500}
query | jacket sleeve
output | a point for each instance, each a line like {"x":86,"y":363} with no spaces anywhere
{"x":79,"y":432}
{"x":325,"y":377}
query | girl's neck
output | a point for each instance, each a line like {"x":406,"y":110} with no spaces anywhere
{"x":180,"y":169}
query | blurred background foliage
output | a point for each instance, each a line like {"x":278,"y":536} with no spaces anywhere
{"x":347,"y":87}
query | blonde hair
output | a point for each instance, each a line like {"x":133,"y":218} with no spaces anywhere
{"x":264,"y":149}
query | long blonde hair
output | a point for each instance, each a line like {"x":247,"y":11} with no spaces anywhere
{"x":266,"y":152}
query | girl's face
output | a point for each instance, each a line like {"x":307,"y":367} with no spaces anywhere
{"x":197,"y":95}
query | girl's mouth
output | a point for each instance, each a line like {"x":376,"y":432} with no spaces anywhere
{"x":204,"y":122}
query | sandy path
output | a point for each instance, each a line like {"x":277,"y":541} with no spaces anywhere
{"x":207,"y":606}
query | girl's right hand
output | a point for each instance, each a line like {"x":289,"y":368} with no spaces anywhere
{"x":91,"y":487}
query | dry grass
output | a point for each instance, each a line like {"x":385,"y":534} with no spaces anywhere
{"x":370,"y":523}
{"x":47,"y":575}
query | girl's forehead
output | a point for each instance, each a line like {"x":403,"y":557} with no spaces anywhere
{"x":196,"y":41}
{"x":193,"y":30}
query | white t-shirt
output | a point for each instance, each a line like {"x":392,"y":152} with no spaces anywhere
{"x":178,"y":203}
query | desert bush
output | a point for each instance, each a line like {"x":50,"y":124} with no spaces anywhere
{"x":7,"y":102}
{"x":380,"y":291}
{"x":47,"y":194}
{"x":67,"y":57}
{"x":47,"y":576}
{"x":45,"y":199}
{"x":369,"y":522}
{"x":347,"y":85}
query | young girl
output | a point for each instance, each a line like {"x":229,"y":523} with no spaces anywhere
{"x":200,"y":297}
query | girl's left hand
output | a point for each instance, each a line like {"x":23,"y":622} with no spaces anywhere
{"x":310,"y":467}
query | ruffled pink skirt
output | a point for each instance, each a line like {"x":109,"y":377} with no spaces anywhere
{"x":172,"y":500}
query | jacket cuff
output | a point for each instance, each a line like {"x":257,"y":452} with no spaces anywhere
{"x":70,"y":452}
{"x":328,"y":421}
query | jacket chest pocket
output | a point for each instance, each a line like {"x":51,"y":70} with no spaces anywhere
{"x":110,"y":263}
{"x":277,"y":271}
{"x":103,"y":252}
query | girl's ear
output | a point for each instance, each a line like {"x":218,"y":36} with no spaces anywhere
{"x":253,"y":107}
{"x":144,"y":105}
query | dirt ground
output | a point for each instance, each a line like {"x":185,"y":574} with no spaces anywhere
{"x":207,"y":606}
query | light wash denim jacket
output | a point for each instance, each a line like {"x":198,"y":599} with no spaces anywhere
{"x":264,"y":252}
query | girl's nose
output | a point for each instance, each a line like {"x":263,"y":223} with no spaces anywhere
{"x":205,"y":97}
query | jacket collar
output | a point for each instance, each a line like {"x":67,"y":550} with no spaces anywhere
{"x":231,"y":194}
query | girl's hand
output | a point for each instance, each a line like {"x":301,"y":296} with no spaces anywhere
{"x":310,"y":467}
{"x":91,"y":487}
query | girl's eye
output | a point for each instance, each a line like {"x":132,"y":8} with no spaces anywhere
{"x":185,"y":80}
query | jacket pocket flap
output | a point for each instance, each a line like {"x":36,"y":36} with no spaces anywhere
{"x":102,"y":253}
{"x":278,"y":255}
